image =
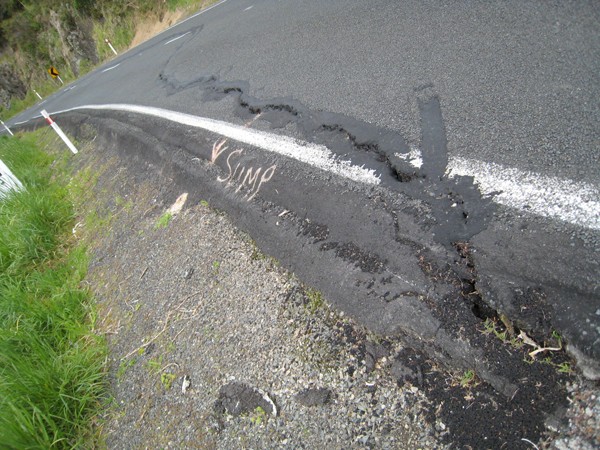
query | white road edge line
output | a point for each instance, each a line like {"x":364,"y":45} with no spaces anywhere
{"x":315,"y":155}
{"x":111,"y":68}
{"x":178,"y":37}
{"x":573,"y":202}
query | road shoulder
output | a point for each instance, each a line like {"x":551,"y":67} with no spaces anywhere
{"x":191,"y":304}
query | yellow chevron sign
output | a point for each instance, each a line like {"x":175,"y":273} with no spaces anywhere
{"x":53,"y":72}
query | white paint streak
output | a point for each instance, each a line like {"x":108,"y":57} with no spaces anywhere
{"x":178,"y":205}
{"x":178,"y":37}
{"x":315,"y":155}
{"x":413,"y":157}
{"x":111,"y":68}
{"x":566,"y":200}
{"x":249,"y":8}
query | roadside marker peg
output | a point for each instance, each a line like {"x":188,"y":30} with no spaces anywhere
{"x":7,"y":129}
{"x":60,"y":133}
{"x":110,"y":45}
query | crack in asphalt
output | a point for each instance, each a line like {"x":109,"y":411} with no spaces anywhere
{"x":369,"y":249}
{"x":459,"y":208}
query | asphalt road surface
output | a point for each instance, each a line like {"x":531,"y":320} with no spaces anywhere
{"x":427,"y":165}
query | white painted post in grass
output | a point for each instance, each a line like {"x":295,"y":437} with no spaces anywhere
{"x":7,"y":129}
{"x":56,"y":128}
{"x":110,"y":45}
{"x":8,"y":181}
{"x":36,"y":93}
{"x":60,"y":79}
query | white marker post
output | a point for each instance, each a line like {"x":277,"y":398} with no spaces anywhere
{"x":8,"y":181}
{"x":56,"y":128}
{"x":7,"y":129}
{"x":60,"y":79}
{"x":36,"y":93}
{"x":110,"y":45}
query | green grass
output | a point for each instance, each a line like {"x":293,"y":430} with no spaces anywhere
{"x":188,"y":4}
{"x":124,"y":366}
{"x":467,"y":379}
{"x":258,"y":416}
{"x":315,"y":301}
{"x":166,"y":379}
{"x":119,"y":30}
{"x":116,"y":21}
{"x":163,"y":221}
{"x":52,"y":363}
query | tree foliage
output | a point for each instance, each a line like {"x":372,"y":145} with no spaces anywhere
{"x":25,"y":25}
{"x":68,"y":34}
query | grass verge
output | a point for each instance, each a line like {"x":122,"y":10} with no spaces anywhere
{"x":52,"y":363}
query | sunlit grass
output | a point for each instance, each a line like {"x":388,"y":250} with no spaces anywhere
{"x":52,"y":364}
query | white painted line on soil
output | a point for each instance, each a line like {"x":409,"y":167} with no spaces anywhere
{"x":178,"y":37}
{"x":315,"y":155}
{"x":111,"y":68}
{"x":566,"y":200}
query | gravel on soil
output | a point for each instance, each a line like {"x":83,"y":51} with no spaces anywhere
{"x":214,"y":345}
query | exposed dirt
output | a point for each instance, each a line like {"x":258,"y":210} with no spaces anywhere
{"x":153,"y":25}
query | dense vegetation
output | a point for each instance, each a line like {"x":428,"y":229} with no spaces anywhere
{"x":31,"y":27}
{"x":52,"y":363}
{"x":67,"y":34}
